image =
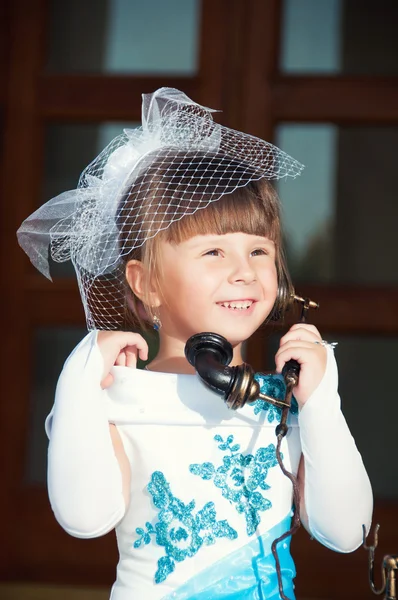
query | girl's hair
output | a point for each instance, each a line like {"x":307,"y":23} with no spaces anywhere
{"x":253,"y":208}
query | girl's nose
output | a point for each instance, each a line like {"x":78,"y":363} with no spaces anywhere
{"x":241,"y":272}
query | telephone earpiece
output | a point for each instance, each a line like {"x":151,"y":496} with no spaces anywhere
{"x":210,"y":355}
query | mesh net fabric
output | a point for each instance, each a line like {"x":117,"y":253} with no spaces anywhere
{"x":178,"y":162}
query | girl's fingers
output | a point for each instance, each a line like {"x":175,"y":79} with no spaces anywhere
{"x":282,"y":359}
{"x":131,"y":356}
{"x":129,"y":353}
{"x":301,"y":333}
{"x":107,"y":381}
{"x":143,"y":352}
{"x":306,"y":327}
{"x":121,"y":359}
{"x":136,"y":340}
{"x":296,"y":346}
{"x":121,"y":348}
{"x":299,"y":350}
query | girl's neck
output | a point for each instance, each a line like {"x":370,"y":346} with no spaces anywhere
{"x":171,"y":357}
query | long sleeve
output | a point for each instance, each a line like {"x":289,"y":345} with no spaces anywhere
{"x":338,"y":494}
{"x":84,"y":477}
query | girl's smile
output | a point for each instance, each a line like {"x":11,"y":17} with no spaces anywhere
{"x":239,"y":307}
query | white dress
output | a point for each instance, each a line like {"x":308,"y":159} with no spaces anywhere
{"x":207,"y":494}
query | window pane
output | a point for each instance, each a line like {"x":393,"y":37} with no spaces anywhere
{"x":340,"y":215}
{"x":124,"y":36}
{"x":339,"y":37}
{"x":69,"y":148}
{"x":367,"y":402}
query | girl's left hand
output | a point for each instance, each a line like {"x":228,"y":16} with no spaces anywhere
{"x":299,"y":343}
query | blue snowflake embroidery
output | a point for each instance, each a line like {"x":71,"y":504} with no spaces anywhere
{"x":179,"y":530}
{"x":274,"y":386}
{"x":239,"y":477}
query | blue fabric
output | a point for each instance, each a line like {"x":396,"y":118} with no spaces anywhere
{"x":249,"y":573}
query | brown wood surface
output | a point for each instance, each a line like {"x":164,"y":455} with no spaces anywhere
{"x":20,"y":179}
{"x":261,"y":46}
{"x":343,"y":100}
{"x":101,"y":97}
{"x":4,"y":48}
{"x":238,"y":74}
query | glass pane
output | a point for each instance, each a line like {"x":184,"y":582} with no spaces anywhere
{"x":124,"y":36}
{"x":339,"y":37}
{"x":69,"y":148}
{"x":340,"y":215}
{"x":367,"y":402}
{"x":51,"y":347}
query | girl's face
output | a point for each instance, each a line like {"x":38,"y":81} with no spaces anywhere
{"x":225,"y":284}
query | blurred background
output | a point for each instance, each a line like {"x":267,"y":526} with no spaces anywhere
{"x":318,"y":78}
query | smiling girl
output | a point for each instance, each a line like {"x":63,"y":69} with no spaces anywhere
{"x":176,"y":224}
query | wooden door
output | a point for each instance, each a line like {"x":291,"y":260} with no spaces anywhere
{"x":238,"y":72}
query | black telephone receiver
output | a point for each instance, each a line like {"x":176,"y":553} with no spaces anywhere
{"x":210,"y":355}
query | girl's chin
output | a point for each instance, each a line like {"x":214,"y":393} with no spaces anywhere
{"x":236,"y":332}
{"x":235,"y":336}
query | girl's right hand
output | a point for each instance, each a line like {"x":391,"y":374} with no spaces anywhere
{"x":120,"y":348}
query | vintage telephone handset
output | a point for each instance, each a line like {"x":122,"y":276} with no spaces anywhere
{"x":210,"y":355}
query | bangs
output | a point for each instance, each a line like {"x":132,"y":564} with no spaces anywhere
{"x":253,"y":209}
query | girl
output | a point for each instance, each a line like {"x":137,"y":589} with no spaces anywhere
{"x":176,"y":224}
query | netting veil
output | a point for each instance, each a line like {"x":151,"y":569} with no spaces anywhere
{"x":177,"y":162}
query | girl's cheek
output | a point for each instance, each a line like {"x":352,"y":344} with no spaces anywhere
{"x":270,"y":276}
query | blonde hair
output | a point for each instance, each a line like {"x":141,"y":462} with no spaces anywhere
{"x":253,"y":208}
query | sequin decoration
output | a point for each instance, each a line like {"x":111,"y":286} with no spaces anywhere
{"x":240,"y":477}
{"x":180,"y":530}
{"x":274,"y":386}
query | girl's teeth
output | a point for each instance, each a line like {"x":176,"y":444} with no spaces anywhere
{"x":237,"y":305}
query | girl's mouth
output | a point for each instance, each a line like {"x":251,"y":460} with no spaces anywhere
{"x":238,"y":306}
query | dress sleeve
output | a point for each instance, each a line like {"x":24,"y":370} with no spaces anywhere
{"x":338,"y":495}
{"x":84,"y":477}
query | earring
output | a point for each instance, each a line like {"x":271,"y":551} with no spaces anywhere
{"x":157,"y":323}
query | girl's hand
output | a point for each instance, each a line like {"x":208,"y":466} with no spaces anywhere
{"x":120,"y":348}
{"x":299,"y":343}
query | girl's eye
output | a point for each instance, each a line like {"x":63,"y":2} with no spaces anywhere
{"x":259,"y":251}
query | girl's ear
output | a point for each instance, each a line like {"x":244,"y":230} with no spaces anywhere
{"x":137,"y":278}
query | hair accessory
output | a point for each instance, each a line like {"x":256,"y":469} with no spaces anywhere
{"x":179,"y":161}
